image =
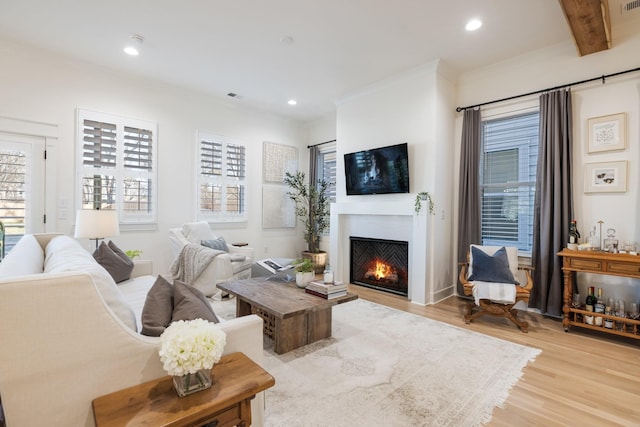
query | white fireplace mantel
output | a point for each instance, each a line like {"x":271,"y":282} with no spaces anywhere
{"x":394,"y":216}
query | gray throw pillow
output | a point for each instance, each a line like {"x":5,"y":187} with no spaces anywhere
{"x":190,"y":304}
{"x":491,"y":268}
{"x":218,"y":244}
{"x":158,"y":308}
{"x":118,"y":267}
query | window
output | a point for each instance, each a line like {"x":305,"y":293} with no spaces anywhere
{"x":222,"y":174}
{"x":117,"y":167}
{"x":21,"y":187}
{"x":327,"y":168}
{"x":508,"y":175}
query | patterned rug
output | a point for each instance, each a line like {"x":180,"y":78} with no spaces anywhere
{"x":385,"y":367}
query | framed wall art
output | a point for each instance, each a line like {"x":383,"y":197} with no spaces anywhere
{"x":605,"y":177}
{"x":278,"y":210}
{"x":607,"y":133}
{"x":277,"y":160}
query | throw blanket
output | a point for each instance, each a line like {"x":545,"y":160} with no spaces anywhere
{"x":504,"y":293}
{"x":191,"y":262}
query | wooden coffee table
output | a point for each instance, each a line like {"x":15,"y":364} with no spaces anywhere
{"x":292,"y":317}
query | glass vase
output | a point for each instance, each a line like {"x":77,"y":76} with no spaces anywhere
{"x":191,"y":383}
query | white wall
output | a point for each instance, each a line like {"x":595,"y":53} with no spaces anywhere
{"x":412,"y":107}
{"x":559,"y":65}
{"x":42,"y":87}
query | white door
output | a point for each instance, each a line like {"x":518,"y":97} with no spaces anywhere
{"x":22,"y":186}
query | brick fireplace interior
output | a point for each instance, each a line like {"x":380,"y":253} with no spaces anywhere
{"x":380,"y":264}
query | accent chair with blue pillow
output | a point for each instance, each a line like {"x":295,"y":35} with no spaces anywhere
{"x":491,"y":277}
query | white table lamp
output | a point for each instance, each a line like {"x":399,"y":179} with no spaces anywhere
{"x":96,"y":224}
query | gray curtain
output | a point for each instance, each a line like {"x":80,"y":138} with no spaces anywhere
{"x":469,"y":190}
{"x":553,"y":209}
{"x":313,"y":165}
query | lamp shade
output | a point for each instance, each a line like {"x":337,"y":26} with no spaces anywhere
{"x":96,"y":224}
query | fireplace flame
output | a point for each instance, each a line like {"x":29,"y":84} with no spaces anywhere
{"x":382,"y":270}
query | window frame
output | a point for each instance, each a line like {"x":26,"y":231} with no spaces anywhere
{"x":121,"y":169}
{"x":32,"y":149}
{"x":326,"y":156}
{"x":524,"y":186}
{"x":225,"y":180}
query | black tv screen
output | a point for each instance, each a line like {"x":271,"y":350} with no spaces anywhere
{"x":378,"y":171}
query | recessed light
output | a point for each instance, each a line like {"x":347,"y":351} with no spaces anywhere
{"x":292,"y":102}
{"x":473,"y":25}
{"x":134,"y":46}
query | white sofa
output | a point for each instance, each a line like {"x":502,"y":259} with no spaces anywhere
{"x":236,"y":263}
{"x":63,"y":340}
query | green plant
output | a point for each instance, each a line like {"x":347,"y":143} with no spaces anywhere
{"x":132,"y":253}
{"x":423,"y":195}
{"x":312,"y":207}
{"x":303,"y":265}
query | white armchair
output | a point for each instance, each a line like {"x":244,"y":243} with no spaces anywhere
{"x":236,"y":263}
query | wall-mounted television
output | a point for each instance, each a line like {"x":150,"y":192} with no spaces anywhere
{"x":381,"y":170}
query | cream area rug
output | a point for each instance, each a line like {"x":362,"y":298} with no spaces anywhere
{"x":385,"y":367}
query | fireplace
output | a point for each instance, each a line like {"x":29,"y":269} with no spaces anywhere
{"x":380,"y":264}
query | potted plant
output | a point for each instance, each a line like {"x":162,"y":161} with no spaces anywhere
{"x":133,"y":253}
{"x":424,"y":196}
{"x":312,"y":209}
{"x":305,"y":271}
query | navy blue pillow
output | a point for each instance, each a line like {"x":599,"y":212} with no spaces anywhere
{"x":490,"y":268}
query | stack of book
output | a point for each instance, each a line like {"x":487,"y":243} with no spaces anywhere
{"x":326,"y":291}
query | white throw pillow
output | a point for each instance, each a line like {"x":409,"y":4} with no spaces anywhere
{"x":65,"y":254}
{"x":26,"y":257}
{"x":196,"y":232}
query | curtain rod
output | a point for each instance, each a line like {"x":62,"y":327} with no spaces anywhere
{"x":603,"y":78}
{"x":320,"y":143}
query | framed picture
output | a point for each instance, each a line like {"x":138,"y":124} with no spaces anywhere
{"x":605,"y":177}
{"x":278,"y":210}
{"x":277,"y":160}
{"x":607,"y":133}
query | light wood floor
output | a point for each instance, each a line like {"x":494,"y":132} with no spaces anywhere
{"x":581,"y":378}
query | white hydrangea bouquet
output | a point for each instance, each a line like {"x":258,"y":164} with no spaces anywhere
{"x":187,"y":348}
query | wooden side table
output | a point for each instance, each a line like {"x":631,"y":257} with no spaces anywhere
{"x":596,"y":262}
{"x":236,"y":380}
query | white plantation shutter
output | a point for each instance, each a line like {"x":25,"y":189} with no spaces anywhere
{"x":98,"y":144}
{"x":508,"y":178}
{"x":211,"y":158}
{"x":236,"y":161}
{"x":221,"y":179}
{"x":138,"y":148}
{"x":117,"y":169}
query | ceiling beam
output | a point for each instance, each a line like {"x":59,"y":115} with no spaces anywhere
{"x":590,"y":24}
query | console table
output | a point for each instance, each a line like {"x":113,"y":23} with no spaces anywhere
{"x":597,"y":262}
{"x":236,"y":380}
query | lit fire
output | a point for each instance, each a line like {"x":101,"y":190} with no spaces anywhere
{"x":382,"y":270}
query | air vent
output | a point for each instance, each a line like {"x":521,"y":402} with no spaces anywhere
{"x":630,"y":6}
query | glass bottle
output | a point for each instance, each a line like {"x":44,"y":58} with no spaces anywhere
{"x":611,"y":243}
{"x":599,"y":307}
{"x":608,"y":323}
{"x":589,"y":305}
{"x":594,"y":239}
{"x":574,"y":235}
{"x":328,"y":275}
